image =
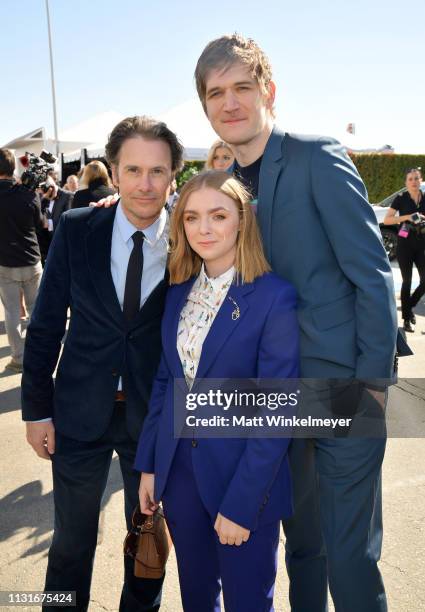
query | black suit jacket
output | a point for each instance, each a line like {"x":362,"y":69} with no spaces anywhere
{"x":95,"y":192}
{"x":62,"y":203}
{"x":100,"y":345}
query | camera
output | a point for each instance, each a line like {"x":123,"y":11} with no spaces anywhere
{"x":418,"y":221}
{"x":36,"y":169}
{"x":45,"y":186}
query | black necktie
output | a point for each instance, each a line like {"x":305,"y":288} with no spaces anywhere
{"x":134,"y":278}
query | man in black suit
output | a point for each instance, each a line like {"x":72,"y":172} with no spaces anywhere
{"x":109,"y":267}
{"x":55,"y":201}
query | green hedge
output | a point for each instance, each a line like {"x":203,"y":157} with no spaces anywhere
{"x":189,"y":169}
{"x":384,"y":174}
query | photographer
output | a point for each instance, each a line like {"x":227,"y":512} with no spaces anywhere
{"x":20,"y":267}
{"x":54,"y":202}
{"x":410,"y":207}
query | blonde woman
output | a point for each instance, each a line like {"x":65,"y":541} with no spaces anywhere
{"x":98,"y":185}
{"x":226,"y":316}
{"x":220,"y":156}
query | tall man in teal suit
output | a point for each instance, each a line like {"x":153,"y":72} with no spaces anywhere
{"x":320,"y":233}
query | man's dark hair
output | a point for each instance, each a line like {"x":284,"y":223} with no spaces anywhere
{"x":148,"y":128}
{"x":7,"y":162}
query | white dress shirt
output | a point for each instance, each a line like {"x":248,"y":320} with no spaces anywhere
{"x":197,"y":316}
{"x":50,"y":220}
{"x":155,"y":251}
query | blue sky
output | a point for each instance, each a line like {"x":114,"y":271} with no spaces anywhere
{"x":334,"y":61}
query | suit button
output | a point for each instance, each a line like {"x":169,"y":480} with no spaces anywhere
{"x":131,"y":336}
{"x":194,"y":443}
{"x":114,"y":373}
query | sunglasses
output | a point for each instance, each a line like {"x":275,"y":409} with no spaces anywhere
{"x":409,"y":170}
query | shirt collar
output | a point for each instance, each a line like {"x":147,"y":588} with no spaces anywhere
{"x":219,"y":282}
{"x":152,"y":233}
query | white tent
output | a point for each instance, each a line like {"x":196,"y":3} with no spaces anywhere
{"x":72,"y":140}
{"x":187,"y":120}
{"x":90,"y":134}
{"x":37,"y":140}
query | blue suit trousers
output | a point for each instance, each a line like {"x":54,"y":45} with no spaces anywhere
{"x":246,"y":573}
{"x":335,"y":535}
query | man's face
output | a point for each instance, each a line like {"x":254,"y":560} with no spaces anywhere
{"x":236,"y":107}
{"x":143,"y":176}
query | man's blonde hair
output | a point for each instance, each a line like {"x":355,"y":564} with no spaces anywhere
{"x":250,"y":261}
{"x":225,"y":51}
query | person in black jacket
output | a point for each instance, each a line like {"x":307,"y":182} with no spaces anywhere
{"x":98,"y":185}
{"x":55,"y":201}
{"x":410,"y":207}
{"x":20,"y":267}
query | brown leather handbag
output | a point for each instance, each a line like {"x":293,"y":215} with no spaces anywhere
{"x":148,"y":542}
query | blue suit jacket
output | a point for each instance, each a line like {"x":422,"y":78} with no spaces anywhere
{"x":246,"y":480}
{"x":320,"y":233}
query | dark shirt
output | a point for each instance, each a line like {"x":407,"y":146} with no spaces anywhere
{"x":20,"y":216}
{"x":404,"y":204}
{"x":249,"y":177}
{"x":95,"y":192}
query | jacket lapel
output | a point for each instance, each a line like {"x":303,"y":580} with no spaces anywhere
{"x":98,"y":249}
{"x":228,"y":318}
{"x":154,"y":301}
{"x":272,"y":165}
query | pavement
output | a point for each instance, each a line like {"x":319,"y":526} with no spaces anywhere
{"x":26,"y":505}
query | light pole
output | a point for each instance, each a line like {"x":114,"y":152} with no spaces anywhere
{"x":52,"y":76}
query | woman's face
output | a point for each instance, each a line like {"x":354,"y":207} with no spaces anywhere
{"x":413,"y":180}
{"x":211,"y":223}
{"x":223,"y":158}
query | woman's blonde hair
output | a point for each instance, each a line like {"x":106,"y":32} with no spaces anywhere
{"x":95,"y":170}
{"x":250,"y":261}
{"x":209,"y":164}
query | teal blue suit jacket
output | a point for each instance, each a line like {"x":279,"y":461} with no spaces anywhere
{"x":321,"y":234}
